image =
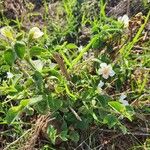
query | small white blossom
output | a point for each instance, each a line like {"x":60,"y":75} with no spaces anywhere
{"x":35,"y":33}
{"x":122,"y":99}
{"x":7,"y":32}
{"x":38,"y":64}
{"x":122,"y":96}
{"x":106,"y":70}
{"x":10,"y":75}
{"x":124,"y":19}
{"x":124,"y":102}
{"x":80,"y":48}
{"x":101,"y":84}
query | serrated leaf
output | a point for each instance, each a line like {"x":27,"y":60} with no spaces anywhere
{"x":110,"y":120}
{"x":35,"y":50}
{"x":13,"y":114}
{"x":9,"y":56}
{"x":103,"y":99}
{"x":52,"y":133}
{"x":74,"y":136}
{"x":20,"y":49}
{"x":37,"y":76}
{"x":42,"y":107}
{"x":82,"y":125}
{"x":64,"y":135}
{"x":54,"y":103}
{"x":35,"y":100}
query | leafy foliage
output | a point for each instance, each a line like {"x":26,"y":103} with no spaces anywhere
{"x":80,"y":86}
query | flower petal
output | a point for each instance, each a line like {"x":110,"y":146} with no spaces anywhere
{"x":102,"y":65}
{"x":35,"y":33}
{"x":100,"y":71}
{"x":122,"y":96}
{"x":124,"y":19}
{"x":105,"y":76}
{"x":9,"y":75}
{"x":38,"y":64}
{"x":101,"y":84}
{"x":125,"y":103}
{"x":112,"y":73}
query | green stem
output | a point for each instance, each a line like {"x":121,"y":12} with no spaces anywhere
{"x":85,"y":49}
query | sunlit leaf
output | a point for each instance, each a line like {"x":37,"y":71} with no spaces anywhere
{"x":7,"y":32}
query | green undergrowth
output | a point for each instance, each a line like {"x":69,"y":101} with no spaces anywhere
{"x":82,"y":69}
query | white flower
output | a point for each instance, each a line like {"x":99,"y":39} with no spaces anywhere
{"x":122,"y":96}
{"x":35,"y":33}
{"x":124,"y":102}
{"x":9,"y":75}
{"x":106,"y":70}
{"x":121,"y":99}
{"x":101,"y":84}
{"x":38,"y":64}
{"x":80,"y":48}
{"x":125,"y":20}
{"x":7,"y":32}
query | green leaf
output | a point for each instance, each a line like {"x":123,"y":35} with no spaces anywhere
{"x":71,"y":46}
{"x":24,"y":103}
{"x":35,"y":50}
{"x":29,"y":110}
{"x":54,"y":103}
{"x":20,"y":36}
{"x":37,"y":76}
{"x":117,"y":106}
{"x":110,"y":120}
{"x":103,"y":99}
{"x":82,"y":125}
{"x":20,"y":49}
{"x":7,"y":32}
{"x":2,"y":47}
{"x":64,"y":135}
{"x":74,"y":136}
{"x":35,"y":100}
{"x":9,"y":56}
{"x":13,"y":113}
{"x":94,"y":116}
{"x":52,"y":133}
{"x":42,"y":107}
{"x":120,"y":108}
